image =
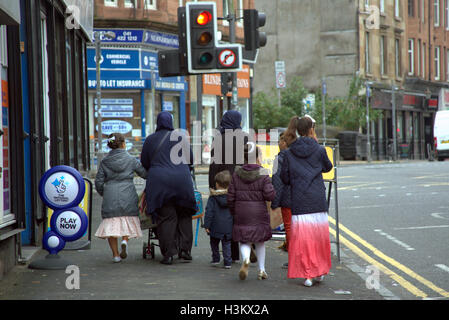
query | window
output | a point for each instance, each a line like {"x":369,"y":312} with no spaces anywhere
{"x":446,"y":13}
{"x":397,"y":52}
{"x":411,"y":8}
{"x":383,"y":55}
{"x":411,"y":57}
{"x":110,"y":3}
{"x":150,"y":4}
{"x":397,"y":9}
{"x":423,"y":56}
{"x":366,"y":4}
{"x":447,"y":65}
{"x":367,"y":57}
{"x":418,"y":58}
{"x":437,"y":63}
{"x":436,"y":13}
{"x":382,"y":6}
{"x":129,"y":3}
{"x":423,"y":12}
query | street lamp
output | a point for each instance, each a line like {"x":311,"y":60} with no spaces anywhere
{"x":98,"y":35}
{"x":368,"y":138}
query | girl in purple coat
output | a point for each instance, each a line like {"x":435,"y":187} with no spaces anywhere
{"x":248,"y":193}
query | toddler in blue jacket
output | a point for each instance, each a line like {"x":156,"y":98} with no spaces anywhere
{"x":218,"y":220}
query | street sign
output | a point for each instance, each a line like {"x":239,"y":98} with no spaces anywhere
{"x":227,"y":57}
{"x":279,"y":68}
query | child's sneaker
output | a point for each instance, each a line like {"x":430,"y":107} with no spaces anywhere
{"x":214,"y":263}
{"x":227,"y":266}
{"x":124,"y":252}
{"x":262,"y":275}
{"x":308,"y":283}
{"x":116,"y":259}
{"x":243,"y":273}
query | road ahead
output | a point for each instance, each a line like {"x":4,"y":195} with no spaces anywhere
{"x":398,"y":215}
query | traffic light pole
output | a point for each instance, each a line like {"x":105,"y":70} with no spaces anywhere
{"x":231,"y":20}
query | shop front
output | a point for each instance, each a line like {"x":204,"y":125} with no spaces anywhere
{"x":132,"y":95}
{"x":414,"y":113}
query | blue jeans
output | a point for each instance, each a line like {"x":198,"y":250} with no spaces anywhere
{"x":226,"y":247}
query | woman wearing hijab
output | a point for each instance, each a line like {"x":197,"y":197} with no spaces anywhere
{"x":230,"y":127}
{"x":169,"y":191}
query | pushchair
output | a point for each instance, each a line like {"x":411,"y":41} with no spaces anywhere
{"x":149,"y":246}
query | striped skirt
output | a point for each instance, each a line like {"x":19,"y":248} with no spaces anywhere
{"x":309,"y":249}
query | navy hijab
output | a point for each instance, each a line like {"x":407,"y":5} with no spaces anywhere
{"x":231,"y":120}
{"x":164,"y":121}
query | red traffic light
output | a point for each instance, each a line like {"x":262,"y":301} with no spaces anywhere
{"x":204,"y":18}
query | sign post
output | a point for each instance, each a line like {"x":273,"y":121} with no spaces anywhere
{"x":61,"y":188}
{"x":281,"y":83}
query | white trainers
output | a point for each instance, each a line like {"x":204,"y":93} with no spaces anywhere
{"x":308,"y":283}
{"x":319,"y":279}
{"x":124,"y":252}
{"x":116,"y":259}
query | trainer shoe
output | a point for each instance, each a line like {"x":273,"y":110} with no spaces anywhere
{"x":319,"y":279}
{"x":124,"y":252}
{"x":243,"y":273}
{"x":262,"y":275}
{"x":116,"y":259}
{"x":308,"y":283}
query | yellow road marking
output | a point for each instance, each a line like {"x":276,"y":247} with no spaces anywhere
{"x":391,"y":261}
{"x":404,"y":283}
{"x":360,"y":185}
{"x":431,"y":176}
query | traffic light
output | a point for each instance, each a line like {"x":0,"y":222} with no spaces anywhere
{"x":204,"y":53}
{"x":226,"y":83}
{"x":252,"y":21}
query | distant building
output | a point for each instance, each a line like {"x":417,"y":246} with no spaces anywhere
{"x":389,"y":44}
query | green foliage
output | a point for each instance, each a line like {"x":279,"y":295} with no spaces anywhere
{"x":348,"y":112}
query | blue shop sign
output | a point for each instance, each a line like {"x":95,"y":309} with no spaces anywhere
{"x":140,"y":37}
{"x":114,"y":59}
{"x":127,"y":36}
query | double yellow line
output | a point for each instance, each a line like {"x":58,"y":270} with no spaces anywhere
{"x":393,"y":275}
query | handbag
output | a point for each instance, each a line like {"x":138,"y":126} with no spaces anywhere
{"x":275,"y":216}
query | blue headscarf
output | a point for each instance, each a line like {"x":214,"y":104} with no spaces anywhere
{"x":164,"y":121}
{"x":231,"y":120}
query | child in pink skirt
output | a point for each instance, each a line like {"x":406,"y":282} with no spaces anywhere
{"x":115,"y":183}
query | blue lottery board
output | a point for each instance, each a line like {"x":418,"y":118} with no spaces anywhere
{"x":62,"y":189}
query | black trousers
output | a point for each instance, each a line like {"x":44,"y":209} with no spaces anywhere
{"x":174,"y":230}
{"x":235,"y":250}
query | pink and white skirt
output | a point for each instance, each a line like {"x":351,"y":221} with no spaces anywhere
{"x":119,"y":227}
{"x":309,"y":249}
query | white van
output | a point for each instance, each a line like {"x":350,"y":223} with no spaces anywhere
{"x":441,"y":134}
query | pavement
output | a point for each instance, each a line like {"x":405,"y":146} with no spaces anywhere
{"x":137,"y":278}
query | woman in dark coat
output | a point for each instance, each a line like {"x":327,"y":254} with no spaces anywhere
{"x":309,"y":254}
{"x":169,"y":190}
{"x":248,"y":193}
{"x":230,"y":128}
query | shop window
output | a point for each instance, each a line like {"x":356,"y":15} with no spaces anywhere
{"x":170,"y":103}
{"x":130,"y":3}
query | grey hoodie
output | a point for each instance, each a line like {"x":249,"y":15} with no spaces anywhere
{"x":114,"y":182}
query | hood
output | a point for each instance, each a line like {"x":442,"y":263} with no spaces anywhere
{"x":164,"y":121}
{"x":221,"y":196}
{"x":303,"y":147}
{"x":249,"y":173}
{"x":232,"y":119}
{"x":116,"y":160}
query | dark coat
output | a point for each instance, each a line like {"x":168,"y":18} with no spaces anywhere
{"x":302,"y":169}
{"x":248,"y":193}
{"x":167,"y":182}
{"x":229,"y":130}
{"x":115,"y":183}
{"x":283,"y":192}
{"x":218,"y":218}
